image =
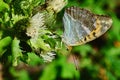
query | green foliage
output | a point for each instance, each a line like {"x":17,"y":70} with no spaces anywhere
{"x":16,"y":51}
{"x":3,"y":5}
{"x":20,"y":75}
{"x":33,"y":59}
{"x":97,"y":60}
{"x":4,"y":43}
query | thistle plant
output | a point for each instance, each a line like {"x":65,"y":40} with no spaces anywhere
{"x":39,"y":24}
{"x":28,"y":23}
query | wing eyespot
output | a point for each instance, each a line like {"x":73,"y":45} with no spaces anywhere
{"x":94,"y":34}
{"x":85,"y":39}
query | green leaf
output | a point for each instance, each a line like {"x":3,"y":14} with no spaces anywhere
{"x":33,"y":59}
{"x":23,"y":75}
{"x":115,"y":30}
{"x":68,"y":70}
{"x":3,"y":5}
{"x":83,"y":49}
{"x":49,"y":73}
{"x":51,"y":41}
{"x":116,"y":67}
{"x":36,"y":2}
{"x":20,"y":75}
{"x":16,"y":52}
{"x":3,"y":44}
{"x":17,"y":18}
{"x":39,"y":43}
{"x":111,"y":76}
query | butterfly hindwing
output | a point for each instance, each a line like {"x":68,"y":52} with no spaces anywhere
{"x":81,"y":26}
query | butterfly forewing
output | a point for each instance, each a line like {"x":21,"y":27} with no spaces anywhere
{"x":81,"y":26}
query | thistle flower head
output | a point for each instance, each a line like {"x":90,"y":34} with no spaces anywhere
{"x":36,"y":23}
{"x":56,"y":5}
{"x":48,"y":57}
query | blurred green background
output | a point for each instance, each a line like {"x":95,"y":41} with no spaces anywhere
{"x":97,"y":60}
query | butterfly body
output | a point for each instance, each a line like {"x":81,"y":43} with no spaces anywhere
{"x":81,"y":26}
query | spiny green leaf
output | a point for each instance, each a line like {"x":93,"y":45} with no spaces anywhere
{"x":21,"y":75}
{"x":3,"y":5}
{"x":3,"y":44}
{"x":33,"y":59}
{"x":39,"y":43}
{"x":16,"y":51}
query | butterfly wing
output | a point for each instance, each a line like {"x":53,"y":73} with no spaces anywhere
{"x":81,"y":26}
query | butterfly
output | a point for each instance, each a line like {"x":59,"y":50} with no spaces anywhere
{"x":82,"y":26}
